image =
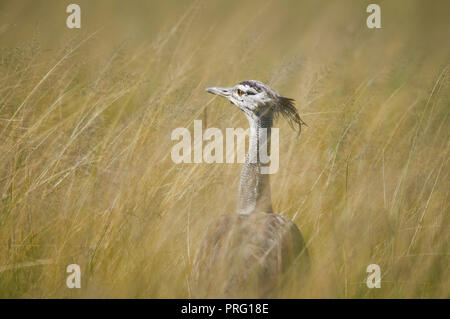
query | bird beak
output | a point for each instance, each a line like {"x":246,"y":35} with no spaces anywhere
{"x":225,"y":92}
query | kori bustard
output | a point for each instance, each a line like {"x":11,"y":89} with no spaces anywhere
{"x":246,"y":254}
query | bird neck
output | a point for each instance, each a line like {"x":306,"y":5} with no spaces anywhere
{"x":254,"y":187}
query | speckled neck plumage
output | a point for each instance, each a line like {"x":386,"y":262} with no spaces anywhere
{"x":254,"y":187}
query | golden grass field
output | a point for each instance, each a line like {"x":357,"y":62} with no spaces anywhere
{"x":86,"y":118}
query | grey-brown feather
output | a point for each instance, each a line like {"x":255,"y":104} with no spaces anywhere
{"x":246,"y":255}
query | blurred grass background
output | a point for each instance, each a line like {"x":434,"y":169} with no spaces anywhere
{"x":86,"y":116}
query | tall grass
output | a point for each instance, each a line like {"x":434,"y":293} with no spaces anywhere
{"x":86,"y":117}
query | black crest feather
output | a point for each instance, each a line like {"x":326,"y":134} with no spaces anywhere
{"x":286,"y":108}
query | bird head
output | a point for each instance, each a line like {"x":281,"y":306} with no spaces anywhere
{"x":257,"y":99}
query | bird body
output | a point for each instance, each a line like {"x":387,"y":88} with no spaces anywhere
{"x":245,"y":254}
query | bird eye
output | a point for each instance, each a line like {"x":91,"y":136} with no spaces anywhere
{"x":239,"y":92}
